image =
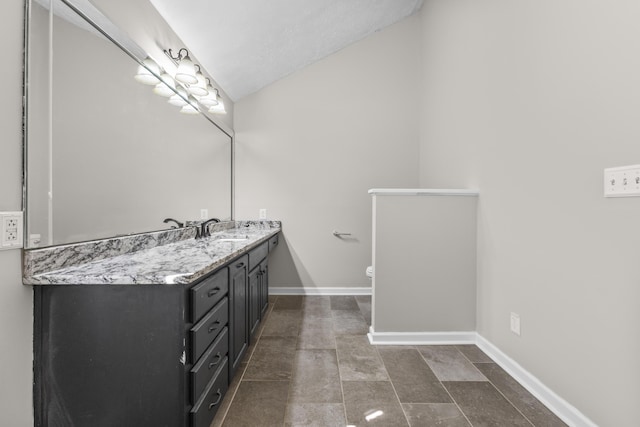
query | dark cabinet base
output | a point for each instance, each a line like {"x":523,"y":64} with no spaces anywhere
{"x":96,"y":369}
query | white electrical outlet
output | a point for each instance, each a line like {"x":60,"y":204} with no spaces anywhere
{"x":515,"y":323}
{"x":262,"y":214}
{"x":622,"y":181}
{"x":10,"y":230}
{"x":204,"y":213}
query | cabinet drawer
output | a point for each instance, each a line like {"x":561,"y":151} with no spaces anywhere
{"x":258,"y":254}
{"x":207,"y":293}
{"x":205,"y":331}
{"x":205,"y":409}
{"x":273,"y":242}
{"x":208,"y":364}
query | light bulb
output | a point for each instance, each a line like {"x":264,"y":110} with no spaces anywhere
{"x":219,"y":107}
{"x":186,"y":72}
{"x":210,"y":99}
{"x":165,"y":86}
{"x":199,"y":88}
{"x":178,"y":100}
{"x":146,"y":72}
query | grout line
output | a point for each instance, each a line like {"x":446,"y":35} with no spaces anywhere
{"x":335,"y":339}
{"x":250,"y":356}
{"x":444,"y":387}
{"x":494,"y":385}
{"x":393,"y":386}
{"x":509,"y":400}
{"x":293,"y":363}
{"x":456,"y":403}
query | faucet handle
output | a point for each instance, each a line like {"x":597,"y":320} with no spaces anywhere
{"x":178,"y":223}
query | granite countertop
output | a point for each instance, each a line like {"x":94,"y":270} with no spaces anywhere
{"x":180,"y":262}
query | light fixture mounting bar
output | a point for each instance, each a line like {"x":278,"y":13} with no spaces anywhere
{"x":176,"y":59}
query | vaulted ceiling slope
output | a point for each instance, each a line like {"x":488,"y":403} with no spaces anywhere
{"x":248,"y":44}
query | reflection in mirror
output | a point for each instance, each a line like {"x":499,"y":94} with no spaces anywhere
{"x":105,"y":155}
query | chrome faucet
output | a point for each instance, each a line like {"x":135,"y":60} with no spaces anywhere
{"x":204,"y":231}
{"x":178,"y":223}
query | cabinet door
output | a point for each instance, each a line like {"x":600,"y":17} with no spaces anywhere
{"x":103,"y":352}
{"x":239,"y":339}
{"x":254,"y":300}
{"x":264,"y":286}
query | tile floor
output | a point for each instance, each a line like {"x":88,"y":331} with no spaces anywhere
{"x":312,"y":365}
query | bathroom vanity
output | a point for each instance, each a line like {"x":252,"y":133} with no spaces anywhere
{"x":151,"y":337}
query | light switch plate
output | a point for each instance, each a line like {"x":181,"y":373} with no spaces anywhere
{"x":11,"y":230}
{"x":623,"y":181}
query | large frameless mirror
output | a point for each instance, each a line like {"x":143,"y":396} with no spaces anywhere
{"x":104,"y":155}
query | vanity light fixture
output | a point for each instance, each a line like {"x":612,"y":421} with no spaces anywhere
{"x":146,"y":71}
{"x":192,"y":87}
{"x":199,"y":88}
{"x":210,"y":99}
{"x":186,"y":72}
{"x":219,"y":107}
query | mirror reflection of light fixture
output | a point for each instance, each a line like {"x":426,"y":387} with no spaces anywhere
{"x":190,"y":107}
{"x":219,"y":107}
{"x":210,"y":99}
{"x":186,"y":72}
{"x":164,"y":88}
{"x":178,"y":100}
{"x":146,"y":71}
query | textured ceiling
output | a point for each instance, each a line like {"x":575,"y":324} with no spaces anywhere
{"x":247,"y":44}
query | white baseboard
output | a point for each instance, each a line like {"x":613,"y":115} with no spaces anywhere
{"x":420,"y":338}
{"x":563,"y":409}
{"x":318,"y":291}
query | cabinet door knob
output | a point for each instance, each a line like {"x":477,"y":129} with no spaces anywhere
{"x":217,"y":358}
{"x":211,"y":405}
{"x":213,"y":291}
{"x":214,"y":326}
{"x":240,"y":265}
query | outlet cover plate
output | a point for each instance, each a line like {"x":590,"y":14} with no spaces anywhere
{"x":515,"y":323}
{"x":623,"y":181}
{"x":11,"y":228}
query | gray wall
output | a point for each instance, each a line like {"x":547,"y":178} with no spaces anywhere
{"x":310,"y":146}
{"x":424,"y":263}
{"x":529,"y":101}
{"x":16,"y":301}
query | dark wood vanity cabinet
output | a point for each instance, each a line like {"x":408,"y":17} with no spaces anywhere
{"x":239,"y":339}
{"x":113,"y":355}
{"x":145,"y":355}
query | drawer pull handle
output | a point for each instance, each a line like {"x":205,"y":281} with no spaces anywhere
{"x":217,"y":358}
{"x":213,"y":291}
{"x":214,"y":326}
{"x":211,"y":405}
{"x":240,"y":265}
